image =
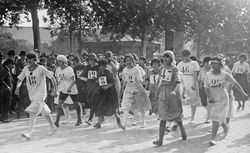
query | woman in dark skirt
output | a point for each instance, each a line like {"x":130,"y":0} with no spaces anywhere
{"x":90,"y":75}
{"x":108,"y":98}
{"x":240,"y":72}
{"x":169,"y":102}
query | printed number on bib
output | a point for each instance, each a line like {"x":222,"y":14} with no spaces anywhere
{"x":61,"y":77}
{"x":185,"y":70}
{"x":32,"y":80}
{"x":166,"y":76}
{"x":216,"y":83}
{"x":131,"y":79}
{"x":154,"y":78}
{"x":92,"y":75}
{"x":241,"y":70}
{"x":103,"y":81}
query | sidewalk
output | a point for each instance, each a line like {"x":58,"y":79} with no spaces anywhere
{"x":111,"y":139}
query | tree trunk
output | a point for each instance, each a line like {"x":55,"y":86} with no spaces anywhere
{"x":169,"y":40}
{"x":35,"y":23}
{"x":199,"y":43}
{"x":79,"y":38}
{"x":144,"y":46}
{"x":70,"y":35}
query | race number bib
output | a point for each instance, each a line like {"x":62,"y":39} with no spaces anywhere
{"x":216,"y":83}
{"x":103,"y":81}
{"x":78,"y":73}
{"x":92,"y":74}
{"x":167,"y":75}
{"x":131,"y":78}
{"x":32,"y":80}
{"x":154,"y":78}
{"x":241,"y":70}
{"x":61,"y":77}
{"x":185,"y":70}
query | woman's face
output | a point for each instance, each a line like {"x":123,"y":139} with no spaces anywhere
{"x":129,"y":61}
{"x":60,"y":63}
{"x":242,"y":59}
{"x":102,"y":68}
{"x":31,"y":61}
{"x":185,"y":58}
{"x":166,"y":59}
{"x":206,"y":64}
{"x":92,"y":62}
{"x":216,"y":66}
{"x":155,"y":65}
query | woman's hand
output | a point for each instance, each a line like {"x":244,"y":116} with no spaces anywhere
{"x":211,"y":100}
{"x":105,"y":88}
{"x":193,"y":86}
{"x":245,"y":95}
{"x":134,"y":92}
{"x":17,"y":92}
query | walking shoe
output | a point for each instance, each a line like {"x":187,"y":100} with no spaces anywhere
{"x":157,"y":142}
{"x":212,"y":143}
{"x":26,"y":136}
{"x":142,"y":125}
{"x":121,"y":126}
{"x":52,"y":130}
{"x":184,"y":137}
{"x":207,"y":121}
{"x":66,"y":122}
{"x":191,"y":122}
{"x":88,"y":122}
{"x":78,"y":123}
{"x":97,"y":125}
{"x":56,"y":124}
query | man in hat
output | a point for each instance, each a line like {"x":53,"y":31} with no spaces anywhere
{"x":6,"y":87}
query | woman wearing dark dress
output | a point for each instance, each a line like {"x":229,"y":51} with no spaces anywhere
{"x":90,"y":75}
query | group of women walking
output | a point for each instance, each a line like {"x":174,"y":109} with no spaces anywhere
{"x":108,"y":88}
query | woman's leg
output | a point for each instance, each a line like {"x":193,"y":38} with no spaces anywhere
{"x":182,"y":129}
{"x":66,"y":113}
{"x":239,"y":105}
{"x":142,"y":119}
{"x":193,"y":110}
{"x":243,"y":105}
{"x":59,"y":112}
{"x":125,"y":117}
{"x":32,"y":122}
{"x":215,"y":127}
{"x":208,"y":108}
{"x":99,"y":122}
{"x":225,"y":129}
{"x":78,"y":113}
{"x":161,"y":133}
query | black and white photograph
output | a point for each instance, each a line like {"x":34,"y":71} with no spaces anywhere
{"x":124,"y":76}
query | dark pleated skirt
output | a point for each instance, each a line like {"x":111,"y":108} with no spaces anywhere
{"x":243,"y":81}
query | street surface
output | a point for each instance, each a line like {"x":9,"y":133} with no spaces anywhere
{"x":111,"y":139}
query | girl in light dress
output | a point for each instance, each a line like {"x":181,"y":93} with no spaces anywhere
{"x":189,"y":70}
{"x":36,"y":84}
{"x":134,"y":98}
{"x":169,"y":97}
{"x":66,"y":84}
{"x":215,"y":87}
{"x":154,"y":75}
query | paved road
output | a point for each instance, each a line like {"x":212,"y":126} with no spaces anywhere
{"x":86,"y":139}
